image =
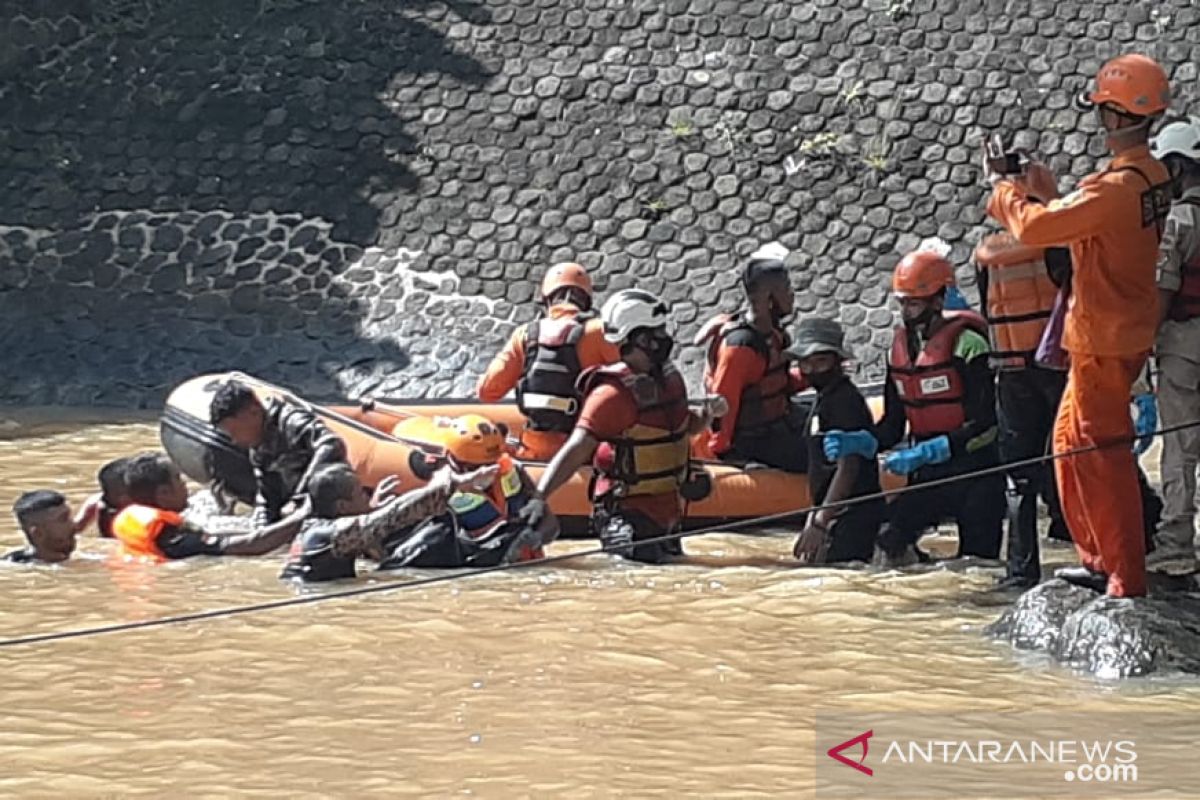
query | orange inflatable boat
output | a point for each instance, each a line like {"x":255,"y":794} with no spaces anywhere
{"x":403,"y":438}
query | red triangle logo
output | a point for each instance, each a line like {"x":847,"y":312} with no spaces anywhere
{"x":835,"y":752}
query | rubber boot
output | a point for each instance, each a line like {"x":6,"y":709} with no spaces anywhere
{"x":1082,"y":576}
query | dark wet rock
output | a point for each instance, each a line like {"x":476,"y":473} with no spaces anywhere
{"x":1109,"y":637}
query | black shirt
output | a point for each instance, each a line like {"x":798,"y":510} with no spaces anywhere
{"x":840,"y":406}
{"x":295,"y":442}
{"x":184,"y":542}
{"x":22,"y":556}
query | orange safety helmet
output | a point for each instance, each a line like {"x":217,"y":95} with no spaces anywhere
{"x":1133,"y":82}
{"x":566,"y":275}
{"x":473,"y":439}
{"x":922,"y":274}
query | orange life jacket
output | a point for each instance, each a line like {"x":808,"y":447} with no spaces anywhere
{"x":766,"y":401}
{"x":479,"y":513}
{"x":1020,"y":296}
{"x":137,"y":529}
{"x":931,"y":388}
{"x":651,"y":457}
{"x":1185,"y":304}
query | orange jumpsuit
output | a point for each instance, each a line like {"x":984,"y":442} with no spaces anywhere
{"x":1110,"y":224}
{"x":507,"y":367}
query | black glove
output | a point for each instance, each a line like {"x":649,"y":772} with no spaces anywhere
{"x":533,"y":513}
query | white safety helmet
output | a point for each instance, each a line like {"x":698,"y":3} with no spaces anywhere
{"x":630,"y":309}
{"x":1180,"y":138}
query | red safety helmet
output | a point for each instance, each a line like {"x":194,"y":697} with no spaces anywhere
{"x":922,"y":274}
{"x":564,"y":276}
{"x":1134,"y":83}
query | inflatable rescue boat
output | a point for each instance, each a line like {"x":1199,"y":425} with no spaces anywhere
{"x":403,"y":438}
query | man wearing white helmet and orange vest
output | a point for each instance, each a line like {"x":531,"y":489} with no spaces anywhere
{"x":634,"y":427}
{"x":543,"y":359}
{"x":940,"y":399}
{"x":1178,"y":346}
{"x":1112,"y":224}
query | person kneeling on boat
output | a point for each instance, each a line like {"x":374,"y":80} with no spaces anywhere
{"x":153,"y":526}
{"x":348,"y":525}
{"x":483,"y":527}
{"x":543,"y":359}
{"x":842,"y":533}
{"x":941,"y":390}
{"x":635,"y":424}
{"x":286,"y":443}
{"x":748,"y":365}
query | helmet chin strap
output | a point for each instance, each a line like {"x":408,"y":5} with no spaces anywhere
{"x":1122,"y":136}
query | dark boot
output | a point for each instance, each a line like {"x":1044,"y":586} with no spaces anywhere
{"x":1082,"y":576}
{"x":1015,"y":583}
{"x":1024,"y":566}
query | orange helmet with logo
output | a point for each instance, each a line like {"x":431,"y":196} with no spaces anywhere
{"x":566,"y":276}
{"x":1133,"y":82}
{"x":474,"y":440}
{"x":922,"y":274}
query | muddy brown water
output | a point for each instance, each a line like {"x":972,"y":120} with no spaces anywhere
{"x":587,"y":679}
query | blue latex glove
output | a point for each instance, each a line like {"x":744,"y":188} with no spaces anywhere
{"x":1146,"y":422}
{"x":930,"y":451}
{"x":839,"y":444}
{"x":955,"y":300}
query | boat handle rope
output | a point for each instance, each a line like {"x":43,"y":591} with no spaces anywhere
{"x":728,"y":527}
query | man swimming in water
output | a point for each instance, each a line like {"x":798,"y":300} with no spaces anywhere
{"x":153,"y":525}
{"x":49,"y":527}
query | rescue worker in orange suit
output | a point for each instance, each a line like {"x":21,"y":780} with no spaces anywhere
{"x":543,"y":359}
{"x":1112,"y":224}
{"x":940,"y":392}
{"x":634,"y":428}
{"x":1178,"y":347}
{"x":483,"y":526}
{"x":748,"y":365}
{"x":1018,"y":296}
{"x":153,"y":527}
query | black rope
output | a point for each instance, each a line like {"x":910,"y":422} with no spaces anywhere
{"x":729,"y":527}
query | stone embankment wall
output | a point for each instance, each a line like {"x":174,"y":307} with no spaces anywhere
{"x":359,"y":196}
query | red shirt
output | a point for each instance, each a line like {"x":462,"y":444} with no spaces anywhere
{"x":607,"y":413}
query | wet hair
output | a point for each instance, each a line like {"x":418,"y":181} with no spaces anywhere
{"x":111,"y":478}
{"x":35,"y":502}
{"x":231,"y":399}
{"x":329,"y":484}
{"x":144,"y":474}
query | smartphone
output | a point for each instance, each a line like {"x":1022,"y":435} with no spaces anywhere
{"x":1001,"y":161}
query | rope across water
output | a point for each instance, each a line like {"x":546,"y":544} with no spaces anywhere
{"x":754,"y":522}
